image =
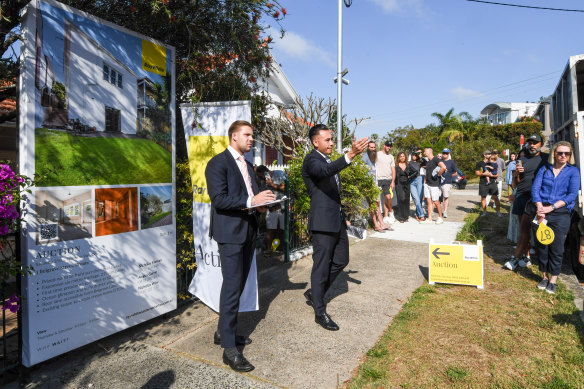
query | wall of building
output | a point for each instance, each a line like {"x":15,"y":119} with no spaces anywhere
{"x":89,"y":93}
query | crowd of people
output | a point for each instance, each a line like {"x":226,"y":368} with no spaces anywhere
{"x":543,"y":189}
{"x":421,"y":176}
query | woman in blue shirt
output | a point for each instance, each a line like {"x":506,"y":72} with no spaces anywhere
{"x":554,"y":192}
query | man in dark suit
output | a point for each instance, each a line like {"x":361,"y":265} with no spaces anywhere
{"x":326,"y":220}
{"x":232,"y":189}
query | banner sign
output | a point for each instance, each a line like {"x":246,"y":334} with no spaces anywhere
{"x":456,"y":264}
{"x":205,"y":127}
{"x":97,"y":133}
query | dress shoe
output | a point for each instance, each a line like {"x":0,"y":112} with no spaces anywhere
{"x":240,"y":340}
{"x":308,"y":297}
{"x":326,"y":322}
{"x":238,"y":363}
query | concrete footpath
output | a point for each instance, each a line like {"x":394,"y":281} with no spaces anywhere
{"x":289,"y":349}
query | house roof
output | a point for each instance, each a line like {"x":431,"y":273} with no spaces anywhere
{"x":489,"y":109}
{"x":507,"y":106}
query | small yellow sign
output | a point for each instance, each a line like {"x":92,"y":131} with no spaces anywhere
{"x":456,"y":264}
{"x":201,"y":150}
{"x":544,"y":234}
{"x":153,"y":58}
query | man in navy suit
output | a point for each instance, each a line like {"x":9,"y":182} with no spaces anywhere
{"x":232,"y":190}
{"x":326,"y":219}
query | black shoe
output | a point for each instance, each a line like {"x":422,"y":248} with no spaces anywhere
{"x":239,"y":363}
{"x":326,"y":322}
{"x":308,"y":297}
{"x":240,"y":340}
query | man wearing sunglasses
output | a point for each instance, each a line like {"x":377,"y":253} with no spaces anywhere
{"x":523,"y":177}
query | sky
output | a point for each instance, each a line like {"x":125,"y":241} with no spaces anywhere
{"x":410,"y":58}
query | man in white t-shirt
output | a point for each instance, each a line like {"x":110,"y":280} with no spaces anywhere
{"x":385,"y":166}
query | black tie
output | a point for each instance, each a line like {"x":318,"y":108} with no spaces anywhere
{"x":337,"y":178}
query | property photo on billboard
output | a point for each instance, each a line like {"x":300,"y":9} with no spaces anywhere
{"x":101,"y":102}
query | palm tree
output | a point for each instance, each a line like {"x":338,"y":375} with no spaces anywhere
{"x":459,"y":126}
{"x":445,"y":121}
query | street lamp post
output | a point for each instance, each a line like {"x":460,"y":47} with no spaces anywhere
{"x":339,"y":77}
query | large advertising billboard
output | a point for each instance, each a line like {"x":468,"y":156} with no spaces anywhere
{"x":97,"y":133}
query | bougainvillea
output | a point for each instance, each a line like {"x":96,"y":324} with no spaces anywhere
{"x":12,"y":187}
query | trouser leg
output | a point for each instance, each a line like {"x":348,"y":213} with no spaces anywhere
{"x":235,"y":265}
{"x":340,"y":257}
{"x":559,"y":222}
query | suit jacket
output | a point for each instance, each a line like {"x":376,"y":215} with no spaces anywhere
{"x":325,"y":199}
{"x":228,"y":193}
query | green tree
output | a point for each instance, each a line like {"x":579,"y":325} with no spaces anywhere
{"x":445,"y":121}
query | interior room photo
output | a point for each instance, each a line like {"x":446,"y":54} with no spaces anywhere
{"x":63,"y":214}
{"x":116,"y":210}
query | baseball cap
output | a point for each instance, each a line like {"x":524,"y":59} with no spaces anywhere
{"x":495,"y":151}
{"x":388,"y":143}
{"x":535,"y":137}
{"x":446,"y":151}
{"x":487,"y":152}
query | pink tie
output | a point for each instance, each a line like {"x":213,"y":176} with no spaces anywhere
{"x":245,"y":173}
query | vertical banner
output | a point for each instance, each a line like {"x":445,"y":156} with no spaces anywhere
{"x":97,"y":133}
{"x":205,"y":127}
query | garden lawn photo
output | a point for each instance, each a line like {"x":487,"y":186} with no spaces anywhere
{"x":155,"y":206}
{"x":64,"y":159}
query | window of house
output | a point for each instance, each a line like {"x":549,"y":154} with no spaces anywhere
{"x":72,"y":210}
{"x":112,"y":76}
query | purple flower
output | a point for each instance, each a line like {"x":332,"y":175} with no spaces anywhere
{"x":11,"y":304}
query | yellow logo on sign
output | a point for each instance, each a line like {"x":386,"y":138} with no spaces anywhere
{"x":201,"y":150}
{"x":544,"y":234}
{"x":153,"y":58}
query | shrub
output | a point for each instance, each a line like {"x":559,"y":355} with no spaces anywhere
{"x":357,"y":185}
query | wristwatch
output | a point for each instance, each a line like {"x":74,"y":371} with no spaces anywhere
{"x":554,"y":207}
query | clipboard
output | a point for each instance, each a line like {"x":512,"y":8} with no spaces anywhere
{"x":268,"y":203}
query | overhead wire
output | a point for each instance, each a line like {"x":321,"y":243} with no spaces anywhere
{"x":526,"y":6}
{"x":488,"y":93}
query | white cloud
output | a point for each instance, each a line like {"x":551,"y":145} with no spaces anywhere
{"x":295,"y":46}
{"x":465,"y":93}
{"x":392,"y":6}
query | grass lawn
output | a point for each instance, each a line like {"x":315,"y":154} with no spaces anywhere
{"x":67,"y":160}
{"x":509,"y":335}
{"x":155,"y":218}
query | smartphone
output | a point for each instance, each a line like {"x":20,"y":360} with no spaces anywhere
{"x":519,"y":162}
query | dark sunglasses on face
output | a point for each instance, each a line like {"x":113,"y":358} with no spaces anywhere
{"x":564,"y":153}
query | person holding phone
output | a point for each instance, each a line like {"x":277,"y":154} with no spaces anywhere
{"x":525,"y":171}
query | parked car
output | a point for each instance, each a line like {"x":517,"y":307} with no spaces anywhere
{"x":459,"y":181}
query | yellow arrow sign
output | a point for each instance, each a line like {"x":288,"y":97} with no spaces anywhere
{"x":456,"y":264}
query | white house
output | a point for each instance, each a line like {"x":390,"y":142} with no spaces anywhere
{"x":102,"y":90}
{"x":504,"y":113}
{"x":282,"y":94}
